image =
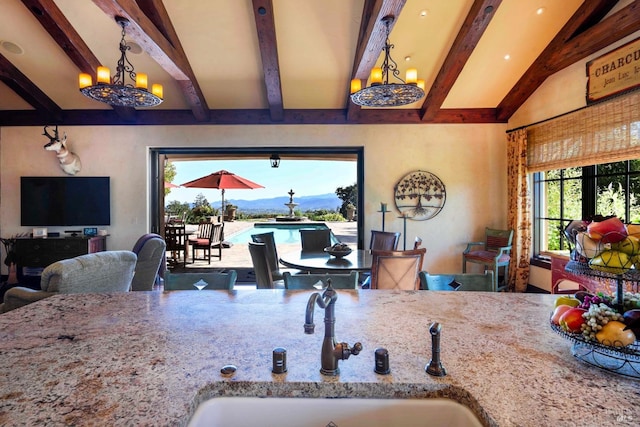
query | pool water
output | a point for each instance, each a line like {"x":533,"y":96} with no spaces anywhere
{"x":282,"y":233}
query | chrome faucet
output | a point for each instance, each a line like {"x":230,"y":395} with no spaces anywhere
{"x":332,"y":351}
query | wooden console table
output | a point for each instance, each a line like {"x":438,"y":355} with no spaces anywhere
{"x":40,"y":252}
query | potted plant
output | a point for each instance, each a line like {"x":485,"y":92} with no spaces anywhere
{"x":230,"y":212}
{"x":351,"y":211}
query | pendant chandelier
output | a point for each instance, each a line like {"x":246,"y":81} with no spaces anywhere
{"x":381,"y":93}
{"x":114,"y":90}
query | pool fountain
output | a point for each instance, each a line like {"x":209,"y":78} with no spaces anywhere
{"x":291,"y":205}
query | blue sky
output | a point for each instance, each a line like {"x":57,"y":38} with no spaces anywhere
{"x":305,"y":177}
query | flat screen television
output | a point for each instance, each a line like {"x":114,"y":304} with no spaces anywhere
{"x":64,"y":201}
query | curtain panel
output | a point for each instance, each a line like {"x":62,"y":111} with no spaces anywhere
{"x":519,"y":210}
{"x":602,"y":133}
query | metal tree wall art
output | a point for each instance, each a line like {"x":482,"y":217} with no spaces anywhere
{"x":419,"y":195}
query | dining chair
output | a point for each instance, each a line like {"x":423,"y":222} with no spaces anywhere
{"x":457,"y":282}
{"x":209,"y":235}
{"x":384,"y":240}
{"x":417,"y":242}
{"x":319,"y":281}
{"x":381,"y":241}
{"x":272,"y":254}
{"x":261,"y":268}
{"x":396,"y":269}
{"x":315,"y":240}
{"x":192,"y":281}
{"x":175,"y":237}
{"x":494,"y":253}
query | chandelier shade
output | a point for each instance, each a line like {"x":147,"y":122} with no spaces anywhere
{"x":382,"y":93}
{"x":115,"y":90}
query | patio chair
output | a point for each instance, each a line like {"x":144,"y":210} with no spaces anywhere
{"x":261,"y":267}
{"x":272,"y":254}
{"x":175,"y":237}
{"x":319,"y":281}
{"x":209,"y":235}
{"x":315,"y":240}
{"x":200,"y":281}
{"x":457,"y":282}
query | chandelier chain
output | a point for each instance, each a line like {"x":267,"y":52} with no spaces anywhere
{"x":124,"y":66}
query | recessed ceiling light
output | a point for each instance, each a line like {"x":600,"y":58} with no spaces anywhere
{"x":507,"y":57}
{"x":407,"y":58}
{"x":540,"y":10}
{"x":423,"y":13}
{"x":11,"y":47}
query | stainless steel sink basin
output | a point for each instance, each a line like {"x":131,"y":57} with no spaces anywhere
{"x":358,"y":412}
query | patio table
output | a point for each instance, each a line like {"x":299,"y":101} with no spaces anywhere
{"x":321,"y":262}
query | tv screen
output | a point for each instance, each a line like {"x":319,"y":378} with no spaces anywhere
{"x":64,"y":201}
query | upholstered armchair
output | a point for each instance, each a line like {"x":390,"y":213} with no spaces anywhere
{"x":100,"y":272}
{"x":150,"y":250}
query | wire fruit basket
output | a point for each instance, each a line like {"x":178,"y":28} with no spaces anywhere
{"x":620,"y":360}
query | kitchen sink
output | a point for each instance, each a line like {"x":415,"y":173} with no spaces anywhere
{"x":323,"y":412}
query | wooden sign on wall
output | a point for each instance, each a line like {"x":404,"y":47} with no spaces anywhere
{"x":614,"y":72}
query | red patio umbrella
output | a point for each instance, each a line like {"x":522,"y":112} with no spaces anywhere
{"x":222,"y":180}
{"x":170,"y":185}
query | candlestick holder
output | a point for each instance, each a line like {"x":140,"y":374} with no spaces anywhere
{"x":404,"y":218}
{"x":383,"y":212}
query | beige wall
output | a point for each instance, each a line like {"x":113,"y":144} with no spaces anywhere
{"x":469,"y":159}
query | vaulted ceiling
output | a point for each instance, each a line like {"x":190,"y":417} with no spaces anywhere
{"x":290,"y":61}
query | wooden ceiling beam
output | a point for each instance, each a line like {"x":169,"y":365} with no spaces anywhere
{"x":371,"y":41}
{"x":619,"y":25}
{"x":543,"y":66}
{"x":59,"y":28}
{"x":159,"y":117}
{"x":166,"y":52}
{"x":266,"y":29}
{"x":27,"y":90}
{"x":476,"y":22}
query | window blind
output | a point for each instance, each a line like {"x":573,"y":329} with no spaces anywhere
{"x":602,"y":133}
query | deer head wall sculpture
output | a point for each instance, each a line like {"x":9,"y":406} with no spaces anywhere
{"x":69,"y":161}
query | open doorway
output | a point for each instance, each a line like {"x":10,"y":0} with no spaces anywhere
{"x":158,"y":157}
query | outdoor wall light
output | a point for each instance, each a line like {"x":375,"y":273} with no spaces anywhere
{"x":275,"y":160}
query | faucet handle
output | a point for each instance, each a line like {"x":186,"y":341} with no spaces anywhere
{"x":343,"y":351}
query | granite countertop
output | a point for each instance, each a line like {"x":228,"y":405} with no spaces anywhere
{"x":149,"y":358}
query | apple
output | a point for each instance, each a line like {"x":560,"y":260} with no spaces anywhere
{"x":609,"y":261}
{"x":610,"y":230}
{"x":558,"y":312}
{"x":630,"y":245}
{"x":614,"y":334}
{"x":572,"y":320}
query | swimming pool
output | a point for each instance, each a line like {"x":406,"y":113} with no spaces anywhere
{"x":282,"y":233}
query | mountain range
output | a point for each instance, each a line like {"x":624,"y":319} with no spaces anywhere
{"x":328,"y":201}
